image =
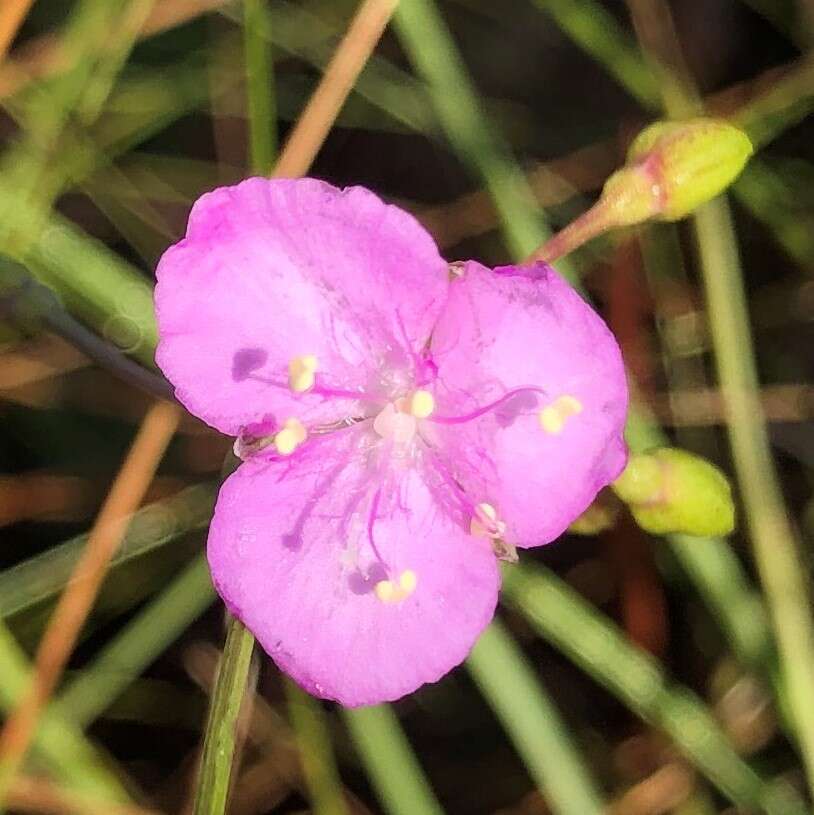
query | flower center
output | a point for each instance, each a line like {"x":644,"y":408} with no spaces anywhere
{"x":398,"y":421}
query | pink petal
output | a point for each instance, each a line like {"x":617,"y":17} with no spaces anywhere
{"x":528,"y":329}
{"x":273,"y":270}
{"x":291,"y":554}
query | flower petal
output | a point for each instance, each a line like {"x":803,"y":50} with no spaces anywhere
{"x":352,"y":568}
{"x":539,"y":456}
{"x":273,"y":274}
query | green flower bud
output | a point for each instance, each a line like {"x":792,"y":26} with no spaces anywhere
{"x":672,"y":168}
{"x":670,"y":490}
{"x":688,"y":163}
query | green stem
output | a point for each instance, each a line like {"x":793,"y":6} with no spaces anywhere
{"x":215,"y":773}
{"x":259,"y":85}
{"x":776,"y":551}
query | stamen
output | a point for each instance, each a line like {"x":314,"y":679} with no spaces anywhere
{"x":422,"y":404}
{"x":390,"y":592}
{"x":320,"y":390}
{"x":290,"y":437}
{"x":553,"y":418}
{"x":371,"y":519}
{"x":485,"y":523}
{"x":478,"y":412}
{"x":301,"y":372}
{"x":396,"y":424}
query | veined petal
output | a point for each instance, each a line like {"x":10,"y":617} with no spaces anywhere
{"x":283,"y":284}
{"x":353,"y":569}
{"x":524,"y":341}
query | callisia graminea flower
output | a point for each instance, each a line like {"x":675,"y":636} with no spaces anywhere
{"x":400,"y":421}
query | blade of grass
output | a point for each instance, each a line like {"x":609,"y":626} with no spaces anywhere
{"x":511,"y":687}
{"x":74,"y":605}
{"x":58,"y":744}
{"x":44,"y":576}
{"x":390,"y":762}
{"x":594,"y":29}
{"x":27,"y":304}
{"x":93,"y":282}
{"x":120,"y":41}
{"x":48,"y":106}
{"x":314,"y":742}
{"x":774,"y":543}
{"x":138,"y":644}
{"x":560,"y":615}
{"x":214,"y":778}
{"x":776,"y":548}
{"x":432,"y":51}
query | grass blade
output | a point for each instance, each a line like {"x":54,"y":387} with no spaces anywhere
{"x":139,"y":644}
{"x":61,"y":746}
{"x":432,"y":51}
{"x":511,"y":687}
{"x":776,"y":549}
{"x":595,"y":644}
{"x":42,"y":577}
{"x":316,"y":752}
{"x":390,"y":762}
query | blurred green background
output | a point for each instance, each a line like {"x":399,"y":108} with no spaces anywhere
{"x":626,"y":673}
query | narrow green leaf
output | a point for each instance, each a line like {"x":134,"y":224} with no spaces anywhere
{"x":591,"y":26}
{"x":432,"y":51}
{"x":775,"y":545}
{"x":59,"y":744}
{"x":536,"y":728}
{"x":314,"y":743}
{"x":390,"y":762}
{"x":594,"y":643}
{"x":44,"y":576}
{"x":139,"y":644}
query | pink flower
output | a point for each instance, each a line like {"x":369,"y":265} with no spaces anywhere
{"x":401,"y":422}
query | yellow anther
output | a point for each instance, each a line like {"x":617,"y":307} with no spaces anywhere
{"x":389,"y":592}
{"x":485,"y":524}
{"x":422,"y":404}
{"x":301,"y":372}
{"x":385,"y":591}
{"x":290,"y":437}
{"x":553,"y":418}
{"x":408,"y":581}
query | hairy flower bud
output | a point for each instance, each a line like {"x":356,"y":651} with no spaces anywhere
{"x":670,"y":490}
{"x":688,"y":163}
{"x":671,"y":168}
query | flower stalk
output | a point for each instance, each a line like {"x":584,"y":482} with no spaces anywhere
{"x":672,"y":168}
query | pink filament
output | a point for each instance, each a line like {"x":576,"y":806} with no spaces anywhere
{"x":374,"y":508}
{"x":478,"y":412}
